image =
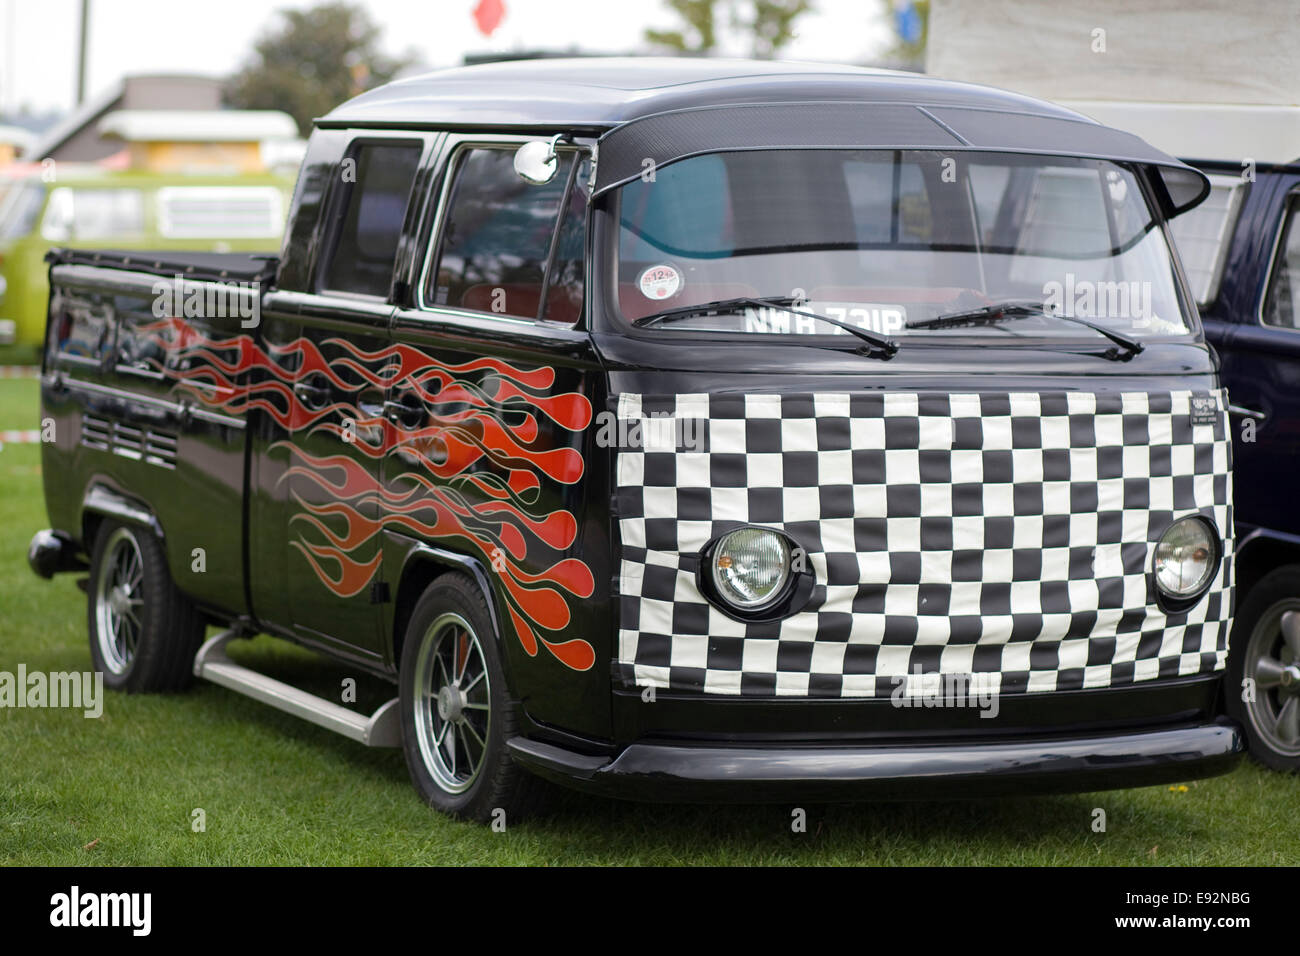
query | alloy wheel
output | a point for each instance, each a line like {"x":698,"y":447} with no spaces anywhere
{"x":119,"y":601}
{"x":452,"y":703}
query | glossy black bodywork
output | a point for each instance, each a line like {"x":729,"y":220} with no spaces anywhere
{"x":197,"y":455}
{"x":230,"y":492}
{"x":688,"y":772}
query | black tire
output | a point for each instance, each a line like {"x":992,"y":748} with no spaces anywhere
{"x":450,"y":629}
{"x":143,"y":631}
{"x":1259,"y":649}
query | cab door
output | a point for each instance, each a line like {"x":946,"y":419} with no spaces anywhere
{"x":496,"y":460}
{"x":343,"y":359}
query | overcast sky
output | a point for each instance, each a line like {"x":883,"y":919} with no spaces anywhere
{"x":38,"y":38}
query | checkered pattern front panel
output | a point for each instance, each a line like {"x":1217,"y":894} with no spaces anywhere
{"x":1007,"y":534}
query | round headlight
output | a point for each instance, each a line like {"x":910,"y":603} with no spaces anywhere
{"x":1185,"y":558}
{"x":750,"y":566}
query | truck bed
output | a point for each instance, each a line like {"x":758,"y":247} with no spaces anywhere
{"x":146,"y":404}
{"x":214,"y":266}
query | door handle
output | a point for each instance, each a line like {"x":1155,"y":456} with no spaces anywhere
{"x":313,"y":397}
{"x":1241,"y":411}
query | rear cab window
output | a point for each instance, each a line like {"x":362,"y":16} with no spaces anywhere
{"x":368,"y":217}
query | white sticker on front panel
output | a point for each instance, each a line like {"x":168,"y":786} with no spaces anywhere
{"x":660,"y":282}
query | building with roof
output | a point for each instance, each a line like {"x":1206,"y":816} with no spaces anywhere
{"x":179,"y":141}
{"x":15,"y":142}
{"x":77,"y":137}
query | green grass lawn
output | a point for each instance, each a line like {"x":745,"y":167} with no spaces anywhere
{"x":19,"y":404}
{"x":275,"y":790}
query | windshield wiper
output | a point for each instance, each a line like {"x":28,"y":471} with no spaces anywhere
{"x":993,"y":314}
{"x":880,"y":345}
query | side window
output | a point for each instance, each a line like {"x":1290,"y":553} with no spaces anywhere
{"x":18,"y":212}
{"x":1202,"y":236}
{"x":73,"y":214}
{"x":988,"y":189}
{"x":365,"y":246}
{"x":496,"y":235}
{"x":690,"y":212}
{"x":879,"y":215}
{"x":564,"y":284}
{"x":1065,"y":215}
{"x":1284,"y":283}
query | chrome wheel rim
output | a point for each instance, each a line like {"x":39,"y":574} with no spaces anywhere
{"x":1273,"y":661}
{"x":119,"y":601}
{"x":453,"y":714}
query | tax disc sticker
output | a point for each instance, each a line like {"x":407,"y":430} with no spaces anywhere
{"x":660,"y":282}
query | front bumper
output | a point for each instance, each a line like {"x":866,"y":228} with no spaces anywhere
{"x":747,"y":773}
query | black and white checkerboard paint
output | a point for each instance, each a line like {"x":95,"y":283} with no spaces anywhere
{"x":1005,"y":534}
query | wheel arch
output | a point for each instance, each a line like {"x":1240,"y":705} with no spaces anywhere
{"x":425,"y":564}
{"x":1259,"y":553}
{"x":102,"y":503}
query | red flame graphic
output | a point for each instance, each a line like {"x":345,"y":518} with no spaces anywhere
{"x":479,"y":414}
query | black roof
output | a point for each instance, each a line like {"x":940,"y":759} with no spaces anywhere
{"x":668,"y":109}
{"x":599,"y":92}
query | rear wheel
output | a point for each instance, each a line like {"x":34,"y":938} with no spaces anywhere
{"x":1266,"y":650}
{"x":456,"y":714}
{"x":143,"y":631}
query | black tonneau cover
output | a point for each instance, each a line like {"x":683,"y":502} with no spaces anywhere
{"x":215,"y":266}
{"x":671,"y":136}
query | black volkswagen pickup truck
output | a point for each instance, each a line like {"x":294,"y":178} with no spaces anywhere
{"x":676,"y":429}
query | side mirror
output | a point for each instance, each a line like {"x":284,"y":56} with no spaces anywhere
{"x":536,"y":161}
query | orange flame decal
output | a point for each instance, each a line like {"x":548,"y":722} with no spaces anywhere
{"x":472,"y":477}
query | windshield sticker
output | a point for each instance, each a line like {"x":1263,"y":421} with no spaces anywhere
{"x":660,"y":282}
{"x":884,"y":319}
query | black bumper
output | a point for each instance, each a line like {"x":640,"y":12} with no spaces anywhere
{"x":745,"y":773}
{"x":53,"y":552}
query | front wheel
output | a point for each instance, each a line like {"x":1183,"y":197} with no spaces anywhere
{"x":456,"y":714}
{"x":143,"y":631}
{"x":1264,"y":669}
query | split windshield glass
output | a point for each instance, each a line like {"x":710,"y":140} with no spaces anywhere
{"x":886,"y":239}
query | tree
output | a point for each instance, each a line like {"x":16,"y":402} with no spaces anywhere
{"x":772,"y":24}
{"x":911,"y":22}
{"x":768,"y":23}
{"x":312,"y":61}
{"x":699,"y":17}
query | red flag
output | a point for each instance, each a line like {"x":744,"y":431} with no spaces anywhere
{"x":488,"y":15}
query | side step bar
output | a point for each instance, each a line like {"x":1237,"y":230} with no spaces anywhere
{"x":383,"y":728}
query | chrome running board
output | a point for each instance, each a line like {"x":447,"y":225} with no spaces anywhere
{"x":383,"y":728}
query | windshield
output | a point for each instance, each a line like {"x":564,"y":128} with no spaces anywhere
{"x":18,"y":209}
{"x":886,"y":239}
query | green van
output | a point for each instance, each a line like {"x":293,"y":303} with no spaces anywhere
{"x":93,"y":207}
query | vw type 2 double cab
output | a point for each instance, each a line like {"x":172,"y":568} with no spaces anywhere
{"x":676,"y":429}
